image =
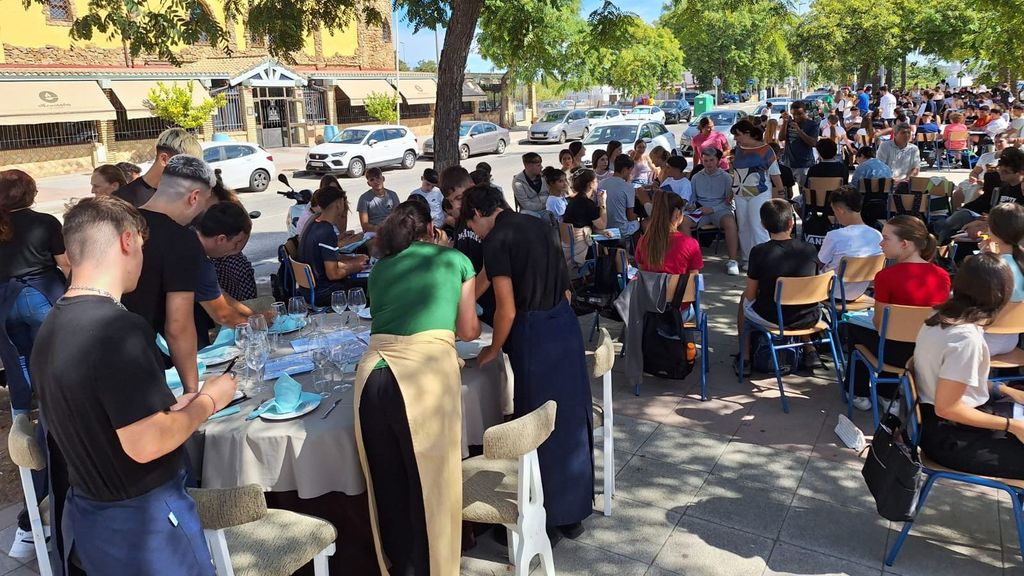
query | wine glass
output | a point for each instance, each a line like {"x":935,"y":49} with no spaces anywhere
{"x":258,"y":350}
{"x":279,"y":310}
{"x":321,"y":359}
{"x":297,"y":307}
{"x":241,"y":339}
{"x":356,"y":300}
{"x":340,"y":359}
{"x":339,"y":302}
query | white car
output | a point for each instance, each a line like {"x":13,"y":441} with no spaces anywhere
{"x":241,"y":164}
{"x":355,"y":149}
{"x":598,"y":116}
{"x":779,"y":104}
{"x":628,"y":132}
{"x":646,"y":113}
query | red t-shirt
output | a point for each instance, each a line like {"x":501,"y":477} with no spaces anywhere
{"x":912,"y":284}
{"x":682,"y":257}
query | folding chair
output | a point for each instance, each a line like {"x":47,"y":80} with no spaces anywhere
{"x":934,"y":471}
{"x":851,"y":270}
{"x":926,"y":144}
{"x":303,"y":276}
{"x":699,"y":323}
{"x":898,"y":324}
{"x":876,"y":198}
{"x":801,"y":291}
{"x":622,"y":273}
{"x":1009,"y":321}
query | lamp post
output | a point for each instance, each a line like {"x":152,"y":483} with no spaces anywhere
{"x":398,"y":94}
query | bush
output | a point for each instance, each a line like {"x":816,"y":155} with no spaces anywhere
{"x":174,"y":104}
{"x":382,"y":107}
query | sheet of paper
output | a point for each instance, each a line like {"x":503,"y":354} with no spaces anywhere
{"x":1018,"y":411}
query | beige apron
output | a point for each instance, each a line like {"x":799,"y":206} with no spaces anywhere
{"x":426,"y":368}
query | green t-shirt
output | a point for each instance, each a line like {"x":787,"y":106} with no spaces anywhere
{"x":418,"y":289}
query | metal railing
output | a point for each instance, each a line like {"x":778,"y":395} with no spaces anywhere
{"x":230,"y":117}
{"x":316,"y":105}
{"x":26,"y":136}
{"x":139,"y":128}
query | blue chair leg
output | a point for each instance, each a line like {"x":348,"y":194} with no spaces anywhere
{"x":849,"y":385}
{"x":873,"y":383}
{"x":907,"y":525}
{"x":778,"y":377}
{"x":593,"y":329}
{"x":743,"y":334}
{"x":704,"y":353}
{"x":836,"y":366}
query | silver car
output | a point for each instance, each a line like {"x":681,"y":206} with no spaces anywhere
{"x":722,"y":121}
{"x":560,"y":125}
{"x":475,"y":138}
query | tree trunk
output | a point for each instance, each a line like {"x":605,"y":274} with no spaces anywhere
{"x":451,"y":71}
{"x":503,"y":115}
{"x":903,"y":73}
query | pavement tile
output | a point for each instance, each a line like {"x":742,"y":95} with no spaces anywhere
{"x":634,"y":530}
{"x":768,"y":425}
{"x":685,"y":447}
{"x":748,"y":507}
{"x":761,"y":465}
{"x":630,"y":433}
{"x":854,"y":535}
{"x":789,"y":560}
{"x":837,"y":483}
{"x":577,"y":559}
{"x":658,"y":483}
{"x":700,"y":547}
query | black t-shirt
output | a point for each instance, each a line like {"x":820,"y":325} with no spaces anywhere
{"x":829,"y":169}
{"x":986,"y":200}
{"x":310,"y":252}
{"x":769,"y":262}
{"x":467,"y":242}
{"x":37,"y":239}
{"x":97,"y":369}
{"x":170,"y":263}
{"x":137,"y":192}
{"x":581,"y":211}
{"x":523,"y":248}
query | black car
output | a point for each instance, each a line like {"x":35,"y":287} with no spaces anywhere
{"x":676,"y":111}
{"x":690,"y":96}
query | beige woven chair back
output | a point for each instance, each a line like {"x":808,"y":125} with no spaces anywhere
{"x":23,"y":446}
{"x":520,"y":436}
{"x":604,"y":355}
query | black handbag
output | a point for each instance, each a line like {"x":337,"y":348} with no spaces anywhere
{"x":893,"y":470}
{"x":665,"y":343}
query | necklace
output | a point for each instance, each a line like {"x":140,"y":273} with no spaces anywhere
{"x":100,"y":292}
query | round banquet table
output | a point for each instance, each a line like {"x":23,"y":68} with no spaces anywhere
{"x":310,"y":464}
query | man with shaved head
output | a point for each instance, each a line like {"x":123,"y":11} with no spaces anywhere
{"x":165,"y":295}
{"x":169,"y":144}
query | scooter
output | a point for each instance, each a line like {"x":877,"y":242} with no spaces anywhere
{"x":301,"y":206}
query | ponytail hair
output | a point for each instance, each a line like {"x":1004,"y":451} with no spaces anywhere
{"x":407,"y":223}
{"x":658,"y":233}
{"x":913,"y":230}
{"x":1006,"y":222}
{"x":17,"y":191}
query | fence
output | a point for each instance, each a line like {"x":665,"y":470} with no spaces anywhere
{"x":43,"y":135}
{"x":140,"y":128}
{"x":316,"y":105}
{"x":230,"y":117}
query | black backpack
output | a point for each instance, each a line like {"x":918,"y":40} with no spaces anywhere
{"x":761,"y":356}
{"x":665,"y":343}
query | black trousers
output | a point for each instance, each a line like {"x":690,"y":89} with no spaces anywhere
{"x":396,"y":481}
{"x":969,"y":449}
{"x":896,"y":354}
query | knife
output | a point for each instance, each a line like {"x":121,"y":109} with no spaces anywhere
{"x":259,"y":410}
{"x":331,"y":409}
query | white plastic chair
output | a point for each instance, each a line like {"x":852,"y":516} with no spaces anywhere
{"x":604,"y":360}
{"x":28,"y":456}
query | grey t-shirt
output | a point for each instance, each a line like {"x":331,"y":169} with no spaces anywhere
{"x":376,"y":207}
{"x":621,"y":197}
{"x":711,"y":190}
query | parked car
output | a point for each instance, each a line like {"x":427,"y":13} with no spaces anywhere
{"x":778,"y":105}
{"x":744,"y":95}
{"x":475,"y":138}
{"x":729,"y":98}
{"x":690,"y":96}
{"x":628,"y":132}
{"x":676,"y":111}
{"x":242,"y":165}
{"x":723,"y":121}
{"x":603,"y":115}
{"x":646,"y":113}
{"x":355,"y":149}
{"x":559,"y":126}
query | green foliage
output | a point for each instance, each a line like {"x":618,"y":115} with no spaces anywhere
{"x":382,"y":107}
{"x":426,"y":66}
{"x":402,"y":66}
{"x":652,"y":60}
{"x":174,"y":104}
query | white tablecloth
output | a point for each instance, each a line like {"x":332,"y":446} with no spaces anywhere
{"x":315,"y":456}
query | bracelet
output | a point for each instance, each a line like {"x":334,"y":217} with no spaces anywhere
{"x":211,"y":400}
{"x":1007,"y":429}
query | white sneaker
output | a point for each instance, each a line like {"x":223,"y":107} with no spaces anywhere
{"x":23,"y":545}
{"x":732,"y":268}
{"x":862,"y":403}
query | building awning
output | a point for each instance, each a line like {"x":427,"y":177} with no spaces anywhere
{"x":49,"y":101}
{"x":472,"y":92}
{"x":418,"y":90}
{"x":358,"y":90}
{"x":133,"y":94}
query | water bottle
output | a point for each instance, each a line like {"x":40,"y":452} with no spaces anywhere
{"x":691,"y":352}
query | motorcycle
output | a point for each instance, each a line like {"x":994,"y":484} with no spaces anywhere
{"x":301,"y":206}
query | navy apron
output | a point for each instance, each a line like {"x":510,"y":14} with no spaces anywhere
{"x":546,"y":351}
{"x":153,"y":534}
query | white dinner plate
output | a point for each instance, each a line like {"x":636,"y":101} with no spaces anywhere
{"x":221,"y":355}
{"x":304,"y":408}
{"x":364,"y":314}
{"x":299,"y":327}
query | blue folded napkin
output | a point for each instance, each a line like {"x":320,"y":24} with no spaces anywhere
{"x":174,"y":380}
{"x":287,"y":323}
{"x":226,"y":337}
{"x":288,"y":397}
{"x":225,"y":412}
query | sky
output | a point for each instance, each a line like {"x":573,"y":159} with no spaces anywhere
{"x":415,"y":47}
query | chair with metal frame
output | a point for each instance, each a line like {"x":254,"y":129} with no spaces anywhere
{"x":934,"y":472}
{"x":898,"y":324}
{"x":816,"y":194}
{"x":876,"y":193}
{"x":852,"y":269}
{"x":1009,"y":321}
{"x":600,"y":364}
{"x":801,"y":291}
{"x":304,"y":279}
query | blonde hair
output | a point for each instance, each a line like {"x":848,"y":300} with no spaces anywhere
{"x":176,"y":141}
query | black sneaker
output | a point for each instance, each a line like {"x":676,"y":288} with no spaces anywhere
{"x":811,"y":360}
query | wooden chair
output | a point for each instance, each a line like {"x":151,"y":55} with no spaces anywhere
{"x":852,"y":270}
{"x":247,"y":538}
{"x":957,"y":146}
{"x":503,"y":486}
{"x":603,"y":360}
{"x":303,"y":275}
{"x":876,"y":198}
{"x":934,"y":472}
{"x":926,"y":144}
{"x":937,"y":190}
{"x":26,"y":453}
{"x":816,"y":195}
{"x":898,"y":324}
{"x":793,"y":291}
{"x":911,"y":203}
{"x":1009,"y":321}
{"x":698,"y":324}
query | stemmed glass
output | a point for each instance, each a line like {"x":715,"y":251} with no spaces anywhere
{"x":241,"y":339}
{"x":339,"y":303}
{"x":321,"y":357}
{"x":297,"y":307}
{"x":258,"y":350}
{"x":258,"y":325}
{"x":339,"y":358}
{"x":356,"y":300}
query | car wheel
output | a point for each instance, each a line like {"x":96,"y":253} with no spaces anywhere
{"x":501,"y":147}
{"x":586,"y":132}
{"x":409,"y":159}
{"x":259,"y":180}
{"x":463,"y":152}
{"x":561,"y":138}
{"x":356,"y":167}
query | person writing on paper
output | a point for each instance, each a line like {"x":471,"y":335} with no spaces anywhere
{"x":531,"y":285}
{"x":961,"y":428}
{"x":165,"y":292}
{"x":409,"y":436}
{"x":110,"y":412}
{"x":331,"y":271}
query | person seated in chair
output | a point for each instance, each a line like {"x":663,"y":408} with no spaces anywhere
{"x":331,"y":270}
{"x":712,"y":192}
{"x":974,"y":214}
{"x":854,"y":239}
{"x":781,"y":256}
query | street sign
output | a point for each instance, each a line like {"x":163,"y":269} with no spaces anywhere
{"x":717,"y":82}
{"x":751,"y":81}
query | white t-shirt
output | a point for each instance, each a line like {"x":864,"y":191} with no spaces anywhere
{"x":853,"y":241}
{"x":826,"y":132}
{"x":957,"y":353}
{"x":681,"y":187}
{"x":436,"y":200}
{"x":887,"y":104}
{"x":996,"y":127}
{"x":1018,"y":126}
{"x":556,"y":205}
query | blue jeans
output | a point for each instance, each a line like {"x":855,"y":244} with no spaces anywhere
{"x":23,"y":322}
